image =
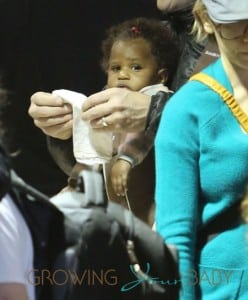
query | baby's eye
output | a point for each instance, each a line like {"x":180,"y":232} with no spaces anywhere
{"x":136,"y":67}
{"x":115,"y":68}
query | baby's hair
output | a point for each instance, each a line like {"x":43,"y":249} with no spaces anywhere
{"x":163,"y":42}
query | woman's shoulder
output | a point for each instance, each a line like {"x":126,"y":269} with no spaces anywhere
{"x":196,"y":95}
{"x":193,"y":103}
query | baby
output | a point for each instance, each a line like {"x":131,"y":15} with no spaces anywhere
{"x":139,"y":55}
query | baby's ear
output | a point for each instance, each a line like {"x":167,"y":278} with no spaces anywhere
{"x":162,"y":75}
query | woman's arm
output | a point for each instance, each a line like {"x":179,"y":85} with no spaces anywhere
{"x":138,"y":145}
{"x":62,"y":153}
{"x":174,"y":5}
{"x":177,"y":183}
{"x":123,"y":110}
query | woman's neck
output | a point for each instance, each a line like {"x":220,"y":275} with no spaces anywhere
{"x":238,"y":76}
{"x":239,"y":81}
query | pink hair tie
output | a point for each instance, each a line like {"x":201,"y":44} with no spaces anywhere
{"x":135,"y":30}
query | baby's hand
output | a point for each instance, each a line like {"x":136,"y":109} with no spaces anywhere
{"x":119,"y":176}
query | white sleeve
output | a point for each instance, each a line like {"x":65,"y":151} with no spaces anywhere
{"x":16,"y":248}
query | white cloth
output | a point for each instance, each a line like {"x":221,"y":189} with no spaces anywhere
{"x":151,"y":90}
{"x":16,"y":247}
{"x":90,"y":146}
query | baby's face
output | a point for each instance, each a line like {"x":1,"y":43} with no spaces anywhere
{"x":132,"y":65}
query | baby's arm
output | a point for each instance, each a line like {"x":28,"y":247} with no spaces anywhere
{"x":119,"y":176}
{"x":136,"y":147}
{"x":130,"y":153}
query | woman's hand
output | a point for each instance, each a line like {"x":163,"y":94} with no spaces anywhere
{"x":51,"y":115}
{"x":117,"y":110}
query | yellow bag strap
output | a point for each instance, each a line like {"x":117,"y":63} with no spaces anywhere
{"x":227,"y":97}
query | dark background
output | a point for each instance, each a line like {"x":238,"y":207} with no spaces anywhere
{"x":47,"y":45}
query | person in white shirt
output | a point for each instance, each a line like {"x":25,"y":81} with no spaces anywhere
{"x":16,"y":253}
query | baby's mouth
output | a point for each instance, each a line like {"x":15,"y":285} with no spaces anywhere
{"x":123,"y":86}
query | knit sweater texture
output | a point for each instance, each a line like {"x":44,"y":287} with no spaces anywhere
{"x":201,"y":155}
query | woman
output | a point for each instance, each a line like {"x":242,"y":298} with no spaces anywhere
{"x":202,"y":161}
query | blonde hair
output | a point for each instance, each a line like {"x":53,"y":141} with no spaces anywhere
{"x":200,"y":15}
{"x":244,"y":208}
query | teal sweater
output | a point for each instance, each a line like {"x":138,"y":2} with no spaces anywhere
{"x":201,"y":168}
